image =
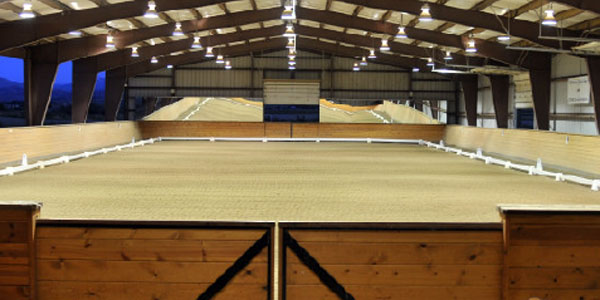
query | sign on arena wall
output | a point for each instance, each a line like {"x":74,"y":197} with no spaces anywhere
{"x":578,"y":91}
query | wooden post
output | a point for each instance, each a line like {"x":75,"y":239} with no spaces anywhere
{"x":551,"y":252}
{"x":540,"y":87}
{"x":470,"y":87}
{"x":40,"y":74}
{"x":593,"y":63}
{"x":115,"y":84}
{"x":17,"y":242}
{"x":84,"y":82}
{"x":500,"y":86}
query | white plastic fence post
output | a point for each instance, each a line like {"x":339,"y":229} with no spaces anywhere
{"x":479,"y":152}
{"x":24,"y":161}
{"x":596,"y":185}
{"x":539,"y":166}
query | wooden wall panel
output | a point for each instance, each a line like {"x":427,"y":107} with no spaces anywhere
{"x":301,"y":130}
{"x":551,"y":254}
{"x":53,"y":140}
{"x":398,"y":264}
{"x":146,"y":263}
{"x":565,"y":151}
{"x":278,"y":130}
{"x":17,"y":266}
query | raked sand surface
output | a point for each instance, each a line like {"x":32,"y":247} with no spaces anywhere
{"x":246,"y":181}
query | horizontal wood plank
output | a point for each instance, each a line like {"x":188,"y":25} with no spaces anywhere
{"x":554,"y":294}
{"x":555,"y":278}
{"x":303,"y":292}
{"x":419,"y":275}
{"x":403,"y":254}
{"x":148,"y":234}
{"x":554,"y":256}
{"x":144,"y":250}
{"x":145,"y":271}
{"x":567,"y":234}
{"x":13,"y":232}
{"x":57,"y":290}
{"x":14,"y":275}
{"x":396,"y":237}
{"x":14,"y":253}
{"x":14,"y":292}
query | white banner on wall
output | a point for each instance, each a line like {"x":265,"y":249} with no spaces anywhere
{"x":578,"y":91}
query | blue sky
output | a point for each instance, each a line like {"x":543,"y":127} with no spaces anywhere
{"x":12,"y":69}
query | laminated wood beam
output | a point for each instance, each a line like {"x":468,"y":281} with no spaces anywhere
{"x":593,"y":63}
{"x":115,"y":85}
{"x":470,"y":87}
{"x":39,"y":78}
{"x":84,"y":83}
{"x":541,"y":86}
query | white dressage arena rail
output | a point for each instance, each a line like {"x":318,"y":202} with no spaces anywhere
{"x":489,"y":160}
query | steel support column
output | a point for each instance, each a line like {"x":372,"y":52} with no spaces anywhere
{"x":500,"y":86}
{"x":84,"y":83}
{"x":593,"y":63}
{"x":115,"y":85}
{"x":470,"y":86}
{"x":39,"y":79}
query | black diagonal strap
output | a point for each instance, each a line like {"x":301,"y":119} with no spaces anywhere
{"x":326,"y":278}
{"x":237,"y":266}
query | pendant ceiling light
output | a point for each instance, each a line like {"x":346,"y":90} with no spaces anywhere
{"x":372,"y":54}
{"x":363,"y":61}
{"x":425,"y":15}
{"x":289,"y":31}
{"x":292,"y":54}
{"x":384,"y":45}
{"x":415,"y":70}
{"x":291,"y":67}
{"x":430,"y":62}
{"x":355,"y":68}
{"x":220,"y":59}
{"x":471,"y":47}
{"x":503,"y":38}
{"x":448,"y":56}
{"x":549,"y":19}
{"x":196,"y":44}
{"x":292,"y":62}
{"x":209,"y":52}
{"x":401,"y":33}
{"x":227,"y":65}
{"x":178,"y":31}
{"x":289,"y":11}
{"x":110,"y":42}
{"x":154,"y":60}
{"x":169,"y":66}
{"x":134,"y":52}
{"x":27,"y":12}
{"x":151,"y":12}
{"x":290,"y":44}
{"x":75,"y":33}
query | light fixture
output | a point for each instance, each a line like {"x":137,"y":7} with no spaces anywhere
{"x":549,"y":19}
{"x":289,"y":11}
{"x":292,"y":54}
{"x":169,"y":66}
{"x":448,"y":56}
{"x":178,"y":31}
{"x":425,"y":15}
{"x":401,"y":33}
{"x":154,"y":60}
{"x":27,"y":12}
{"x":430,"y":62}
{"x":196,"y":44}
{"x":372,"y":54}
{"x":220,"y":59}
{"x":292,"y":61}
{"x":110,"y":41}
{"x":384,"y":45}
{"x":471,"y":48}
{"x":415,"y":70}
{"x":292,"y":67}
{"x":503,"y":37}
{"x":290,"y":44}
{"x":355,"y":68}
{"x":134,"y":52}
{"x":75,"y":33}
{"x":209,"y":52}
{"x":363,"y":61}
{"x":227,"y":65}
{"x":75,"y":5}
{"x":289,"y":31}
{"x":152,"y":42}
{"x":151,"y":12}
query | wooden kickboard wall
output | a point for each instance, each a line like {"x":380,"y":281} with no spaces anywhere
{"x":397,"y":264}
{"x":17,"y":256}
{"x":103,"y":263}
{"x":552,"y":256}
{"x":53,"y":140}
{"x":576,"y":152}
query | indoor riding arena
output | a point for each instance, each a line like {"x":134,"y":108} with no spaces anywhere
{"x":299,"y":149}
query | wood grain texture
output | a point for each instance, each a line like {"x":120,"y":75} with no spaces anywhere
{"x":254,"y":129}
{"x":552,"y":255}
{"x":45,"y":141}
{"x":17,"y":268}
{"x":398,"y":264}
{"x":560,"y":150}
{"x":82,"y":262}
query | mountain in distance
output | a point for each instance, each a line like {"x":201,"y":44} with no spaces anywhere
{"x":11,"y":91}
